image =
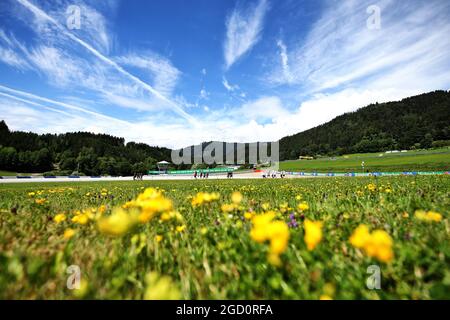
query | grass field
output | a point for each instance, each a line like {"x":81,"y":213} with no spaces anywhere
{"x":7,"y":173}
{"x":425,"y":160}
{"x":246,"y":239}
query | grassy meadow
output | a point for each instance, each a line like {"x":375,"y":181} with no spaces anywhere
{"x":228,"y":239}
{"x":422,"y":160}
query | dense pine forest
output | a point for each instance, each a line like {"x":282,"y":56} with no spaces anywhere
{"x":412,"y":123}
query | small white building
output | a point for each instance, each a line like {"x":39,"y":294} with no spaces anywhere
{"x":163,"y":166}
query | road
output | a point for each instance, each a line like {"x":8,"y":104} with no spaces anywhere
{"x":236,"y":175}
{"x":246,"y":175}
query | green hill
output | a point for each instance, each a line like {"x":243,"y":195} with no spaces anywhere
{"x":417,"y":122}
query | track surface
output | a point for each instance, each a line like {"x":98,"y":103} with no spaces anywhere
{"x":146,"y":178}
{"x":243,"y":175}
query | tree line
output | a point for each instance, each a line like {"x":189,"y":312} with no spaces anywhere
{"x":78,"y":152}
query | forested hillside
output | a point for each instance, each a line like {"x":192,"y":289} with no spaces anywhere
{"x":421,"y":121}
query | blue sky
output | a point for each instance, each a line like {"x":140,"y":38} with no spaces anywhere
{"x":175,"y":73}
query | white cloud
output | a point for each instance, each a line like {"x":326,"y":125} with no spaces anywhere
{"x":341,"y":65}
{"x":93,"y":26}
{"x":244,"y":28}
{"x":284,"y":60}
{"x":11,"y":51}
{"x":341,"y":51}
{"x":263,"y":119}
{"x":32,"y":99}
{"x":136,"y":81}
{"x":230,"y":87}
{"x":262,"y":109}
{"x":204,"y":94}
{"x":11,"y":58}
{"x":164,"y":75}
{"x":59,"y":68}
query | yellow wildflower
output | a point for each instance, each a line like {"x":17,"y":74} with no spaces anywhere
{"x":151,"y":203}
{"x":303,"y":206}
{"x":165,"y":217}
{"x":68,"y":233}
{"x":236,"y":197}
{"x":117,"y":224}
{"x":360,"y":236}
{"x":81,"y":292}
{"x":40,"y":201}
{"x":248,"y":215}
{"x":158,"y":238}
{"x":313,"y":233}
{"x":284,"y":207}
{"x":430,"y":216}
{"x":274,"y":259}
{"x":81,"y":219}
{"x":227,"y":207}
{"x":377,"y":244}
{"x":259,"y":229}
{"x":180,"y":228}
{"x":204,"y":197}
{"x":60,"y":217}
{"x":160,"y":288}
{"x":277,"y":232}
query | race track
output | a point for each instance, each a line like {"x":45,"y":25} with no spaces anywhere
{"x":246,"y":175}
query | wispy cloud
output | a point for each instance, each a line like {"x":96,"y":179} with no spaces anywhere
{"x":336,"y":66}
{"x":43,"y":16}
{"x":229,"y":86}
{"x":243,"y":30}
{"x":286,"y":75}
{"x":164,"y":75}
{"x":11,"y":51}
{"x":11,"y":58}
{"x":60,"y":69}
{"x":93,"y":26}
{"x":340,"y":50}
{"x":204,"y":94}
{"x":32,"y":98}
